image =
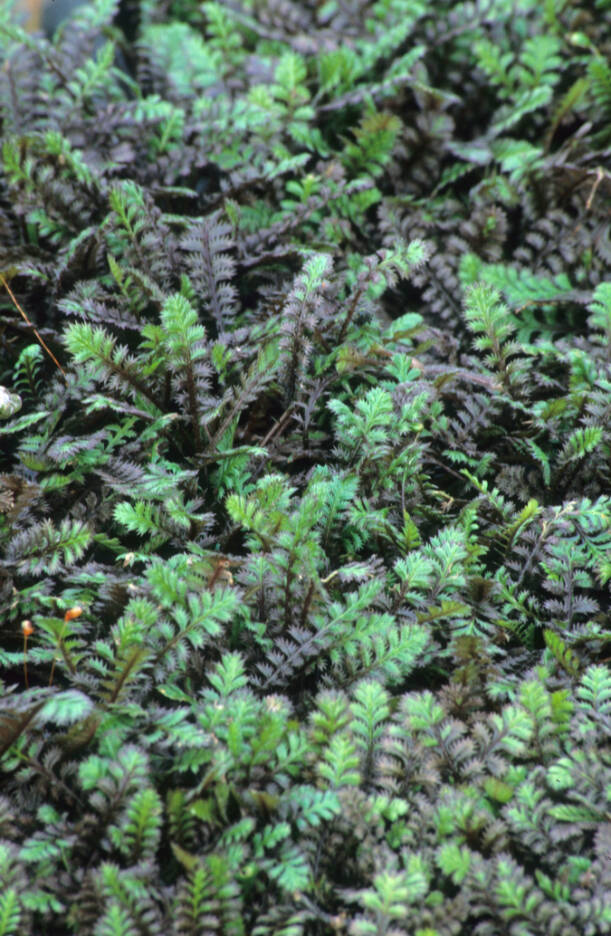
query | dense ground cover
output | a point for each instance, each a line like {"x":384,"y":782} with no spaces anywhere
{"x":305,"y":506}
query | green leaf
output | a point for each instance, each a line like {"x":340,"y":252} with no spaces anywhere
{"x":498,"y":790}
{"x":454,"y":860}
{"x":340,"y":765}
{"x":563,"y":654}
{"x":65,"y":708}
{"x":10,"y":913}
{"x":569,"y":813}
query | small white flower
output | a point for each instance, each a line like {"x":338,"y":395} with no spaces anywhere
{"x":10,"y":403}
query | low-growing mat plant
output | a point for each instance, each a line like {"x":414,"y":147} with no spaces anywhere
{"x":305,"y":447}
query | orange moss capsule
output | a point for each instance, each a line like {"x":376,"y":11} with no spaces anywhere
{"x":28,"y":628}
{"x":73,"y":613}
